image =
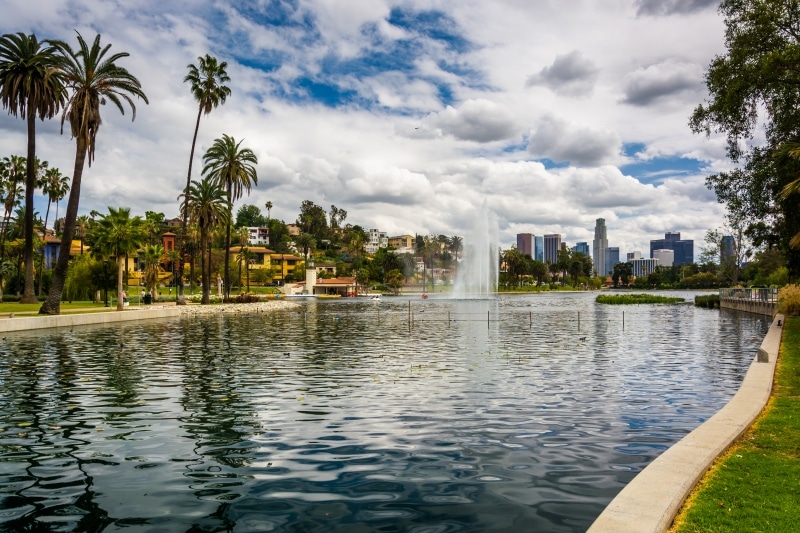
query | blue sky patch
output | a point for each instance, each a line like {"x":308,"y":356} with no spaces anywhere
{"x":655,"y":171}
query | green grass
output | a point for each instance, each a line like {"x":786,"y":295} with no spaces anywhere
{"x":66,"y":307}
{"x":628,"y":299}
{"x":755,"y":486}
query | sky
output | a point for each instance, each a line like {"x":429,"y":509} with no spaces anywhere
{"x":411,"y":115}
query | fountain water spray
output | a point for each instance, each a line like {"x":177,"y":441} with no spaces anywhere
{"x":477,"y":273}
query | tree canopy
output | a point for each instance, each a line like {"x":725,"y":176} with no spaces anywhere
{"x":754,"y":90}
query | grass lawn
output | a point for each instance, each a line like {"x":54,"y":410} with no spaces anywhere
{"x":628,"y":299}
{"x":66,"y":307}
{"x":755,"y":486}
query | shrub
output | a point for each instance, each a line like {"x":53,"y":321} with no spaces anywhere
{"x":709,"y":301}
{"x":244,"y":298}
{"x":789,"y":300}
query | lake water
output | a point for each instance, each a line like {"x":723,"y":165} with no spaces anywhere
{"x":520,"y":413}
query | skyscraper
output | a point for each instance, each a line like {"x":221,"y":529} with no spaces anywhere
{"x":525,"y":244}
{"x":599,"y":246}
{"x":683,"y":248}
{"x":612,"y":258}
{"x":582,"y":248}
{"x":539,"y":248}
{"x":552,"y":244}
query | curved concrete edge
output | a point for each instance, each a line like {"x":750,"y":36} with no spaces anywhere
{"x":61,"y":321}
{"x":650,"y":502}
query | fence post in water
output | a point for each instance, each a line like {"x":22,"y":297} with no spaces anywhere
{"x":530,"y":319}
{"x":623,"y":321}
{"x":487,"y":319}
{"x":448,"y":319}
{"x":579,"y":321}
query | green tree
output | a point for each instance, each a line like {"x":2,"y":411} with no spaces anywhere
{"x":233,"y":168}
{"x":94,"y":78}
{"x":395,"y":279}
{"x":153,"y":255}
{"x":753,"y":88}
{"x":207,"y":80}
{"x":249,"y":216}
{"x":30,"y":87}
{"x":313,"y":220}
{"x":268,"y":205}
{"x":209,"y":208}
{"x":115,"y":235}
{"x":306,"y":242}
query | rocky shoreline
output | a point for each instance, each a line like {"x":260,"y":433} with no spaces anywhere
{"x":257,"y":307}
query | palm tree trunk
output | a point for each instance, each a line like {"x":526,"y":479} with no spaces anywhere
{"x":52,"y":305}
{"x":205,"y":269}
{"x":185,"y":223}
{"x":227,"y":291}
{"x":29,"y":296}
{"x":44,"y":245}
{"x":120,"y":273}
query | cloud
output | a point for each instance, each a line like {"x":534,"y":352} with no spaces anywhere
{"x":662,"y":82}
{"x":570,"y":74}
{"x":581,"y":145}
{"x":478,"y":120}
{"x":672,"y":7}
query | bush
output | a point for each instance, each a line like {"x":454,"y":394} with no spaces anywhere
{"x":244,"y":298}
{"x":789,"y":300}
{"x":709,"y":301}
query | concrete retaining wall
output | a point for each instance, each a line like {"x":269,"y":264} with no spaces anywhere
{"x":83,"y":319}
{"x":749,"y":306}
{"x":650,"y":502}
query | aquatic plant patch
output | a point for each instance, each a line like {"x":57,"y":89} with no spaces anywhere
{"x":630,"y":299}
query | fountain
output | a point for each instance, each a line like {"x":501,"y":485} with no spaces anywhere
{"x":476,"y":276}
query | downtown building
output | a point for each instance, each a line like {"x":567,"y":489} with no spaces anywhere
{"x":683,"y":249}
{"x":552,"y":244}
{"x":526,"y":244}
{"x":600,"y":247}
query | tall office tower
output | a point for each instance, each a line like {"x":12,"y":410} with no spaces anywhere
{"x":552,"y":244}
{"x":599,"y":245}
{"x":582,"y":248}
{"x":539,"y":241}
{"x":665,"y":257}
{"x":727,"y":248}
{"x":612,"y":258}
{"x":525,"y":244}
{"x":683,"y":248}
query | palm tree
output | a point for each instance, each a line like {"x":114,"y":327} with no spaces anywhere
{"x":94,"y":78}
{"x":456,"y":245}
{"x":208,"y":206}
{"x":207,"y":81}
{"x":30,"y":87}
{"x":115,"y":235}
{"x":81,"y":225}
{"x":153,"y":255}
{"x":54,"y":186}
{"x":233,"y":168}
{"x":268,"y":205}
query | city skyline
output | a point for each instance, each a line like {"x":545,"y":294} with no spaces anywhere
{"x":411,"y":115}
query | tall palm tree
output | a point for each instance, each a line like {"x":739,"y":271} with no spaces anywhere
{"x":208,"y":207}
{"x":456,"y":245}
{"x":232,"y":168}
{"x":268,"y":205}
{"x":115,"y":235}
{"x":153,"y":255}
{"x":55,"y":186}
{"x":94,"y":78}
{"x":31,"y":87}
{"x":208,"y":87}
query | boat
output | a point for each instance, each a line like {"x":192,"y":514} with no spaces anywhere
{"x":376,"y":298}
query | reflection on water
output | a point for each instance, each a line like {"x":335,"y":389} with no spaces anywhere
{"x":520,"y":413}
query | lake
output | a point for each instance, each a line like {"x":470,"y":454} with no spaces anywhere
{"x":517,"y":413}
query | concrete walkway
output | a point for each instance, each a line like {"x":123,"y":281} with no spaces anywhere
{"x":650,"y":502}
{"x":22,"y":323}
